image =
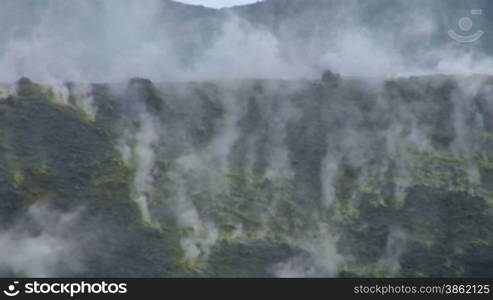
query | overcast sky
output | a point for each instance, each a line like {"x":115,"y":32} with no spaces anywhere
{"x":218,"y":3}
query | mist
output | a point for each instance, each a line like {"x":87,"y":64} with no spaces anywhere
{"x":107,"y":41}
{"x":48,"y":252}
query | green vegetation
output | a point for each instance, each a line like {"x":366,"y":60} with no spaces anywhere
{"x":390,"y":208}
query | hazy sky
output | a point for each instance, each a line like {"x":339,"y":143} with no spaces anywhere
{"x":218,"y":3}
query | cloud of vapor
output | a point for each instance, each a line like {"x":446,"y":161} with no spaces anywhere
{"x":200,"y":170}
{"x":408,"y":39}
{"x":41,"y":247}
{"x":243,"y":51}
{"x":137,"y":147}
{"x":395,"y":246}
{"x":82,"y":97}
{"x":144,"y":158}
{"x":324,"y":260}
{"x":101,"y":41}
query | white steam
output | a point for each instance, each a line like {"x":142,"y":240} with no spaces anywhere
{"x":101,"y":41}
{"x":44,"y":251}
{"x":137,"y":149}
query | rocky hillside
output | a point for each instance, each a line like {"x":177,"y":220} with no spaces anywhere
{"x":330,"y":177}
{"x":163,"y":40}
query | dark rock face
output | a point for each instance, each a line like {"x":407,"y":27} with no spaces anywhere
{"x":330,"y":79}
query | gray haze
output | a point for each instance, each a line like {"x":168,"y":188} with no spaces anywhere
{"x":101,"y":41}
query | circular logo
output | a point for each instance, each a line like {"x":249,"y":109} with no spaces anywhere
{"x":465,"y":23}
